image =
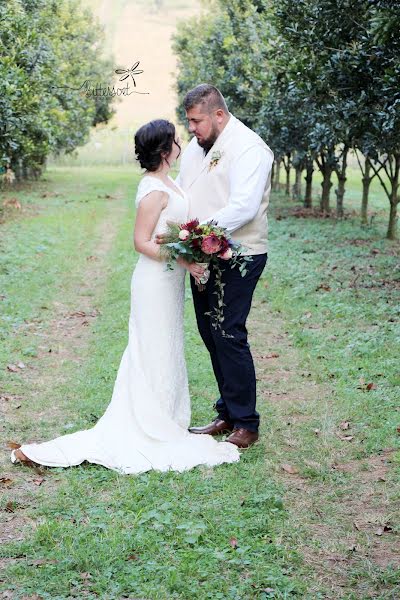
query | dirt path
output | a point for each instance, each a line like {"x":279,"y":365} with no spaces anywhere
{"x":341,"y":522}
{"x":66,"y":338}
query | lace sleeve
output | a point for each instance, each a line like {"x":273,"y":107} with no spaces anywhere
{"x":147,"y":185}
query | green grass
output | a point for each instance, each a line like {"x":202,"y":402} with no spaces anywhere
{"x":164,"y":536}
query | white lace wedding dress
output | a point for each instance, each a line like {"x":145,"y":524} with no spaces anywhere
{"x":145,"y":425}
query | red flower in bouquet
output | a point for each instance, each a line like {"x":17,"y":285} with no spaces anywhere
{"x":196,"y":243}
{"x":190,"y":225}
{"x":211,"y":244}
{"x":206,"y":243}
{"x":224,"y":244}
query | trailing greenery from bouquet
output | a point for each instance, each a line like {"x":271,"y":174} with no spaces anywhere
{"x":206,"y":243}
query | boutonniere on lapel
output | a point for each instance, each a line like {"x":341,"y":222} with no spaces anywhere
{"x":215,"y":158}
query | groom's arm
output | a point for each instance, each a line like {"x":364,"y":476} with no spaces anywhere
{"x":248,"y":176}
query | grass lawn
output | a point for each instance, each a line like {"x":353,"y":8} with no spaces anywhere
{"x":311,"y":511}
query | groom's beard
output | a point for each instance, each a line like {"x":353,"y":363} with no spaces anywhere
{"x":210,"y":141}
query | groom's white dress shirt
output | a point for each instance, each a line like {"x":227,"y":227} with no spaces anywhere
{"x":231,"y":184}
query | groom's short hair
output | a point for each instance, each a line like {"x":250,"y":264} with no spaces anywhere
{"x":208,"y":96}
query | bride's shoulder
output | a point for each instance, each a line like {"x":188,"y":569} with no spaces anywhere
{"x":149,"y":181}
{"x":149,"y":184}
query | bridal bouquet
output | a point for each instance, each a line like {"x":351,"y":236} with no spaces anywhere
{"x":205,"y":244}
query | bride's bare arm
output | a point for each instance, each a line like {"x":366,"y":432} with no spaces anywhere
{"x":147,"y":215}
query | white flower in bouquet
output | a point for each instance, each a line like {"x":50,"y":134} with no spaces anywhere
{"x":184,"y":234}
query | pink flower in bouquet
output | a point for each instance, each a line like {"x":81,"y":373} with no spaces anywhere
{"x":184,"y":234}
{"x":227,"y":254}
{"x":211,"y":244}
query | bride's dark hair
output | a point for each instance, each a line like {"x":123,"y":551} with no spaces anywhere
{"x":153,"y":142}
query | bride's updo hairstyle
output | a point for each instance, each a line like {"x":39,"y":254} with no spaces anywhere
{"x":153,"y":142}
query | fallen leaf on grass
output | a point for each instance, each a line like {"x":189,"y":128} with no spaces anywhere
{"x":234,"y":543}
{"x":6,"y":481}
{"x":345,"y":438}
{"x":12,"y":368}
{"x":12,"y":202}
{"x":344,"y":425}
{"x":271,"y":355}
{"x":324,"y":287}
{"x":387,"y":528}
{"x":107,"y":196}
{"x":38,"y":481}
{"x":289,"y":469}
{"x":10,"y":506}
{"x":366,"y":387}
{"x":37,"y":562}
{"x":13,"y":445}
{"x":132,"y":557}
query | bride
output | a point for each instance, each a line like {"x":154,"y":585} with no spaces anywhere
{"x":145,"y":426}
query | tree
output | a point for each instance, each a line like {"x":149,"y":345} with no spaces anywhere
{"x":45,"y":44}
{"x":231,"y":52}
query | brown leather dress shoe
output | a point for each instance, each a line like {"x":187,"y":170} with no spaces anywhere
{"x":217,"y":427}
{"x":243,"y":438}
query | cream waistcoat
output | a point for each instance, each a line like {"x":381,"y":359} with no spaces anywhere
{"x":208,"y":187}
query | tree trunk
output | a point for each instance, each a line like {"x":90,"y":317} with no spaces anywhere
{"x":392,"y":226}
{"x":277,"y":176}
{"x":340,"y":195}
{"x":366,"y":181}
{"x":297,"y":184}
{"x":394,"y":200}
{"x":308,"y":178}
{"x":340,"y":171}
{"x":287,"y":187}
{"x":326,"y":188}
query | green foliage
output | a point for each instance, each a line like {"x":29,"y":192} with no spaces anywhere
{"x":314,"y":78}
{"x":229,"y":48}
{"x":47,"y":50}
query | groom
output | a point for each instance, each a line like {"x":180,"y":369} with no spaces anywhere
{"x":226,"y":173}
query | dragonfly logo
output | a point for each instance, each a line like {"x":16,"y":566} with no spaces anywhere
{"x":132,"y":71}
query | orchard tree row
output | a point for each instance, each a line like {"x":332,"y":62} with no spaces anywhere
{"x":317,"y":79}
{"x":48,"y":48}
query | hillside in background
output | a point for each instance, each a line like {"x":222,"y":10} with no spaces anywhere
{"x":136,"y":30}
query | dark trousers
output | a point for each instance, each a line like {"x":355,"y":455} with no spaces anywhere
{"x":230,"y":356}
